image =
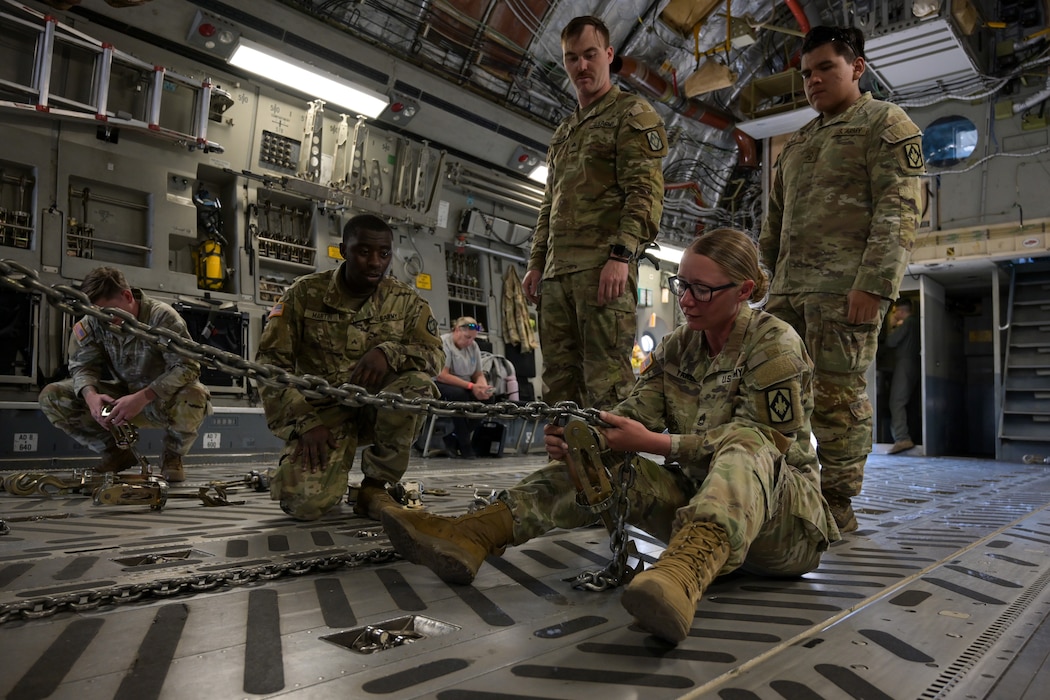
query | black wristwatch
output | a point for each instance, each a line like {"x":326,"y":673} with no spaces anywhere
{"x":620,"y":253}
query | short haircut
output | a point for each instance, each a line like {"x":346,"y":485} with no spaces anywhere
{"x":847,"y":41}
{"x":577,"y":24}
{"x":104,"y":283}
{"x":903,"y":303}
{"x":364,"y":222}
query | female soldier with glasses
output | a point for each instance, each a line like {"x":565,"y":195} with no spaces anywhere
{"x":726,"y":401}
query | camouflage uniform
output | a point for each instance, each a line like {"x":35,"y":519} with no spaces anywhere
{"x":182,"y":402}
{"x":843,"y":211}
{"x":739,"y":425}
{"x":604,"y":188}
{"x":315,"y":329}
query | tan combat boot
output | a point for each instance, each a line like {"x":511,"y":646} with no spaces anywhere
{"x":373,"y":499}
{"x":453,"y":548}
{"x":171,"y":467}
{"x":116,"y":460}
{"x":842,"y":508}
{"x":663,"y":598}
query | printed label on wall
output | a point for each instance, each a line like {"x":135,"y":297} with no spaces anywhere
{"x":25,"y":442}
{"x":212,"y":441}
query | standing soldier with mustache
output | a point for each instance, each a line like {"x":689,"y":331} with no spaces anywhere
{"x":603,"y":203}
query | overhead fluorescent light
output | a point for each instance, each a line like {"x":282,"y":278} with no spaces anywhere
{"x":778,"y":124}
{"x":916,"y":57}
{"x":667,"y":253}
{"x":539,"y":174}
{"x":307,"y":79}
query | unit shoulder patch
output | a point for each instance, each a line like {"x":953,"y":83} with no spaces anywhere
{"x":780,"y":403}
{"x":432,"y":326}
{"x":910,"y":157}
{"x":656,"y":142}
{"x":906,"y":141}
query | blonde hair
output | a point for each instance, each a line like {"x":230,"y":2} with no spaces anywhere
{"x":737,"y":254}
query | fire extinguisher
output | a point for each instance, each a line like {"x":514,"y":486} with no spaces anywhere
{"x":209,"y":259}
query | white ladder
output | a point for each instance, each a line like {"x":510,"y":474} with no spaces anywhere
{"x":40,"y":100}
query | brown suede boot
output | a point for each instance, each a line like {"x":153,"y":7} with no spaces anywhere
{"x":373,"y":499}
{"x":116,"y":460}
{"x":842,"y":508}
{"x":453,"y":548}
{"x":171,"y":467}
{"x":663,"y":598}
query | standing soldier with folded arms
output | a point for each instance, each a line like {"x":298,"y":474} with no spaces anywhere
{"x":840,"y":226}
{"x":603,"y":203}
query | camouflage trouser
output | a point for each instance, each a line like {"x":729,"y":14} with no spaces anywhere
{"x":776,"y":519}
{"x":389,"y":435}
{"x":180,"y":417}
{"x":587,"y":348}
{"x":842,"y":353}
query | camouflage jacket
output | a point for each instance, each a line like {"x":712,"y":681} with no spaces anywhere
{"x":760,"y":382}
{"x":845,"y":203}
{"x":314,"y":330}
{"x":133,"y":362}
{"x":604,"y":185}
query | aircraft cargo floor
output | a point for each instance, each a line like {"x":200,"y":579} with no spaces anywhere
{"x":942,"y":593}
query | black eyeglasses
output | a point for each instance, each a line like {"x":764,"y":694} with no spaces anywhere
{"x":700,"y":292}
{"x":472,"y":326}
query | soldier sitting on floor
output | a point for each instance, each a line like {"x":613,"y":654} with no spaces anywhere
{"x":740,"y":489}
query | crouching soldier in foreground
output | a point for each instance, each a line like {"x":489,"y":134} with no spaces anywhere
{"x":353,"y":324}
{"x":151,"y":387}
{"x":741,"y":488}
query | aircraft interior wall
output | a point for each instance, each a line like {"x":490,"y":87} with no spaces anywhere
{"x":131,"y":197}
{"x":1000,"y":190}
{"x":98,"y":193}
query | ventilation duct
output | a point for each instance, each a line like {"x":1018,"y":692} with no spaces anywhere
{"x":643,"y":78}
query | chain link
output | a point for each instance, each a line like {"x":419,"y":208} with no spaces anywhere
{"x":80,"y":601}
{"x":74,"y":302}
{"x":616,"y":572}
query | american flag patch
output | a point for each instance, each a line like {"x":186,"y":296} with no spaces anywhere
{"x":277,"y":310}
{"x":79,"y":331}
{"x":646,"y":363}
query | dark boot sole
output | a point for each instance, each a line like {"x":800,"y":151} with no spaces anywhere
{"x":646,"y":602}
{"x":445,"y":559}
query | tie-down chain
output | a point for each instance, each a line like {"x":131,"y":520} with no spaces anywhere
{"x":72,"y":301}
